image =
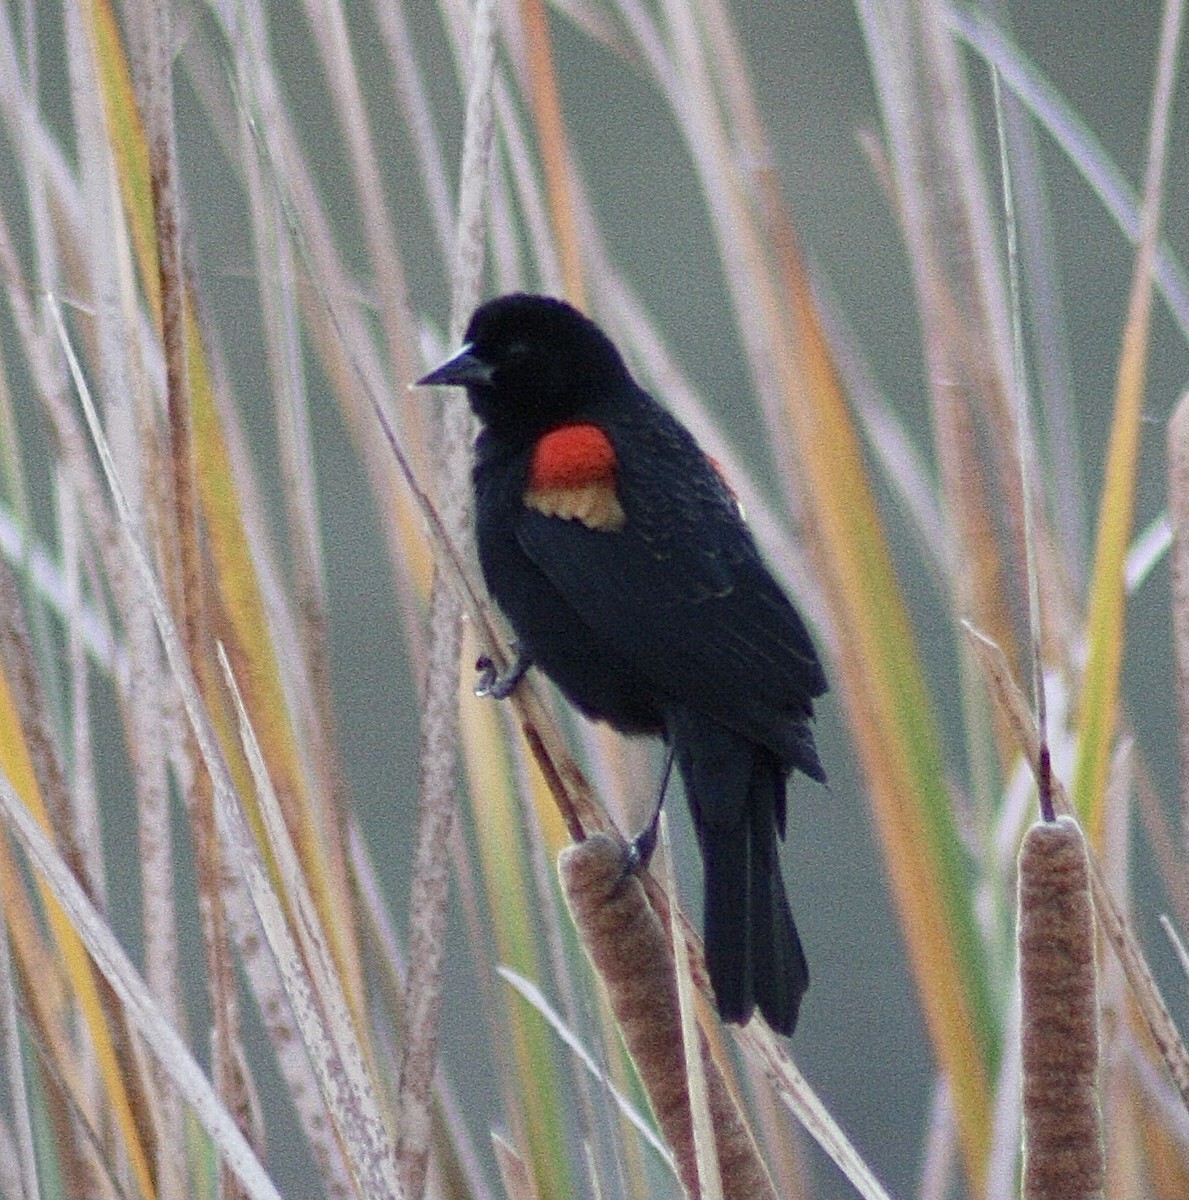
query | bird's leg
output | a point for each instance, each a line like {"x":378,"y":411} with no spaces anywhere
{"x":499,"y":685}
{"x":644,"y":843}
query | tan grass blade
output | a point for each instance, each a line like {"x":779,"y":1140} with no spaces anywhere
{"x":518,"y":1179}
{"x":802,"y":1101}
{"x":179,"y":544}
{"x":1177,"y":943}
{"x":543,"y":90}
{"x":892,"y":716}
{"x":341,"y":1072}
{"x":440,"y":719}
{"x":534,"y":996}
{"x":1178,"y":506}
{"x":939,"y":1162}
{"x":329,"y":23}
{"x":498,"y":817}
{"x":712,"y":1179}
{"x":20,"y":1154}
{"x":224,"y":526}
{"x":1077,"y":141}
{"x":134,"y":995}
{"x":151,"y":730}
{"x":1115,"y":924}
{"x":323,"y":1011}
{"x":339,"y":326}
{"x":944,"y":211}
{"x":345,"y":1083}
{"x":17,"y":766}
{"x":1104,"y":621}
{"x":302,"y":643}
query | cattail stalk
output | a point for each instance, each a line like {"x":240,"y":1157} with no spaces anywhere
{"x":631,"y":953}
{"x":1063,"y":1147}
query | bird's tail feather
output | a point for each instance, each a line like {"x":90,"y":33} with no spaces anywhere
{"x":736,"y":792}
{"x":780,"y":972}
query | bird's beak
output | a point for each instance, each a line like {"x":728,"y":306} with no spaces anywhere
{"x":461,"y":369}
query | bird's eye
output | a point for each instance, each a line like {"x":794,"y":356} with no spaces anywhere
{"x":517,"y":351}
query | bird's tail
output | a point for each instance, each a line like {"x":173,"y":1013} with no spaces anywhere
{"x":736,"y":791}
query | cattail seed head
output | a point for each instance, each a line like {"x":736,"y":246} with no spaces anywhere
{"x":630,"y":951}
{"x":1063,"y":1148}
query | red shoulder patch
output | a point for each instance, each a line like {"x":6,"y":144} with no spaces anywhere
{"x":572,"y":476}
{"x":570,"y":457}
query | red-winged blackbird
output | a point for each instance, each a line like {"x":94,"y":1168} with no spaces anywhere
{"x":622,"y":562}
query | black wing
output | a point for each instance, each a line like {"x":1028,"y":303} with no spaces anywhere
{"x":681,"y":592}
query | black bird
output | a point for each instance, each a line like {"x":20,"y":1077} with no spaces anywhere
{"x":621,"y":559}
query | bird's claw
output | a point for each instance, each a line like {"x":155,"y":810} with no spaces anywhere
{"x":644,"y":843}
{"x":641,"y":847}
{"x":494,"y":684}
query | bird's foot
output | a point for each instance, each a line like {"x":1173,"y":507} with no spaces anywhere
{"x":640,"y":852}
{"x":496,"y":684}
{"x":641,"y":847}
{"x":644,"y":843}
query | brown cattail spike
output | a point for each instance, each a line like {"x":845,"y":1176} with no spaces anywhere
{"x":1063,"y":1149}
{"x":629,"y":949}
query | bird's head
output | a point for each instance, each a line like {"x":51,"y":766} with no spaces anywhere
{"x":530,"y":362}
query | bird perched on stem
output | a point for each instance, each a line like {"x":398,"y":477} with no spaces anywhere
{"x":623,"y":564}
